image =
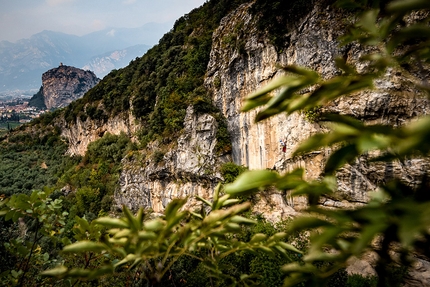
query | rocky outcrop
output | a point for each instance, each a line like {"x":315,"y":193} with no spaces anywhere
{"x":234,"y":73}
{"x":152,"y":178}
{"x":80,"y":134}
{"x":65,"y":84}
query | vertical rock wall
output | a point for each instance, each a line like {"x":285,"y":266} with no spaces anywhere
{"x":233,"y":73}
{"x":188,"y":168}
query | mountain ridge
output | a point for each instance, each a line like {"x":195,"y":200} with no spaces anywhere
{"x":22,"y":62}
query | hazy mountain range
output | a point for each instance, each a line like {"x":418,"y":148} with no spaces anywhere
{"x":22,"y":63}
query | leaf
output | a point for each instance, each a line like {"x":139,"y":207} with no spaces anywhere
{"x":217,"y":204}
{"x":173,"y":207}
{"x":134,"y":223}
{"x":368,"y":233}
{"x":257,"y":238}
{"x":147,"y":235}
{"x":250,"y":181}
{"x":9,"y":215}
{"x":128,"y":258}
{"x":273,"y":85}
{"x":208,"y":203}
{"x":368,"y":21}
{"x":78,"y":273}
{"x":230,"y":202}
{"x":266,"y":250}
{"x":123,"y":233}
{"x":289,"y":247}
{"x":232,"y":227}
{"x":291,"y":180}
{"x":83,"y":223}
{"x":104,"y":270}
{"x":402,"y":6}
{"x":312,"y":143}
{"x":55,"y":272}
{"x":84,"y":246}
{"x":111,"y":222}
{"x":276,"y":237}
{"x":14,"y":274}
{"x":153,"y":225}
{"x":242,"y":220}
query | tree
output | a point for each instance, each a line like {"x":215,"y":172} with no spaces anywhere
{"x":40,"y":220}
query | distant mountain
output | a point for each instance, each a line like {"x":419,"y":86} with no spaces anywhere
{"x":22,"y":63}
{"x":103,"y":64}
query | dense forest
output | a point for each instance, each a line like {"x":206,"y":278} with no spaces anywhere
{"x":58,"y":227}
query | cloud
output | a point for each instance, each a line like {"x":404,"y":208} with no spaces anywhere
{"x":58,"y":2}
{"x":128,"y":2}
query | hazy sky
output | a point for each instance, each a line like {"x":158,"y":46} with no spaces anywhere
{"x":23,"y":18}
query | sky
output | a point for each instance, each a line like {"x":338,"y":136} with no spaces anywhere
{"x":22,"y":18}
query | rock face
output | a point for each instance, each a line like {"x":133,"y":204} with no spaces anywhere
{"x":232,"y":74}
{"x":154,"y":177}
{"x":81,"y":133}
{"x":190,"y":165}
{"x":65,"y":84}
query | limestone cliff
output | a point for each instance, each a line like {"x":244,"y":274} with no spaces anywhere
{"x":189,"y":165}
{"x":232,"y":74}
{"x":154,"y":177}
{"x":64,"y":84}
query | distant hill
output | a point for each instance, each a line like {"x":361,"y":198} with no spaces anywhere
{"x":23,"y":62}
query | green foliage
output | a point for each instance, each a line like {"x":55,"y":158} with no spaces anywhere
{"x":151,"y":247}
{"x":356,"y":280}
{"x":275,"y":16}
{"x":160,"y":85}
{"x":157,"y":156}
{"x":230,"y":171}
{"x":95,"y":176}
{"x":30,"y":161}
{"x":219,"y":244}
{"x":40,"y":220}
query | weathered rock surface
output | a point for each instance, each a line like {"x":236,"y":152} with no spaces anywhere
{"x":232,"y":75}
{"x":65,"y":84}
{"x":81,"y":133}
{"x":188,"y":170}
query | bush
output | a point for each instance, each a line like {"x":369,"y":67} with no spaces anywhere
{"x":230,"y":171}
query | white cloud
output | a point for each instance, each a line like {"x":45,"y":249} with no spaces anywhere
{"x":128,"y":2}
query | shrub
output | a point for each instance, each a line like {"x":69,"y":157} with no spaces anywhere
{"x":230,"y":171}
